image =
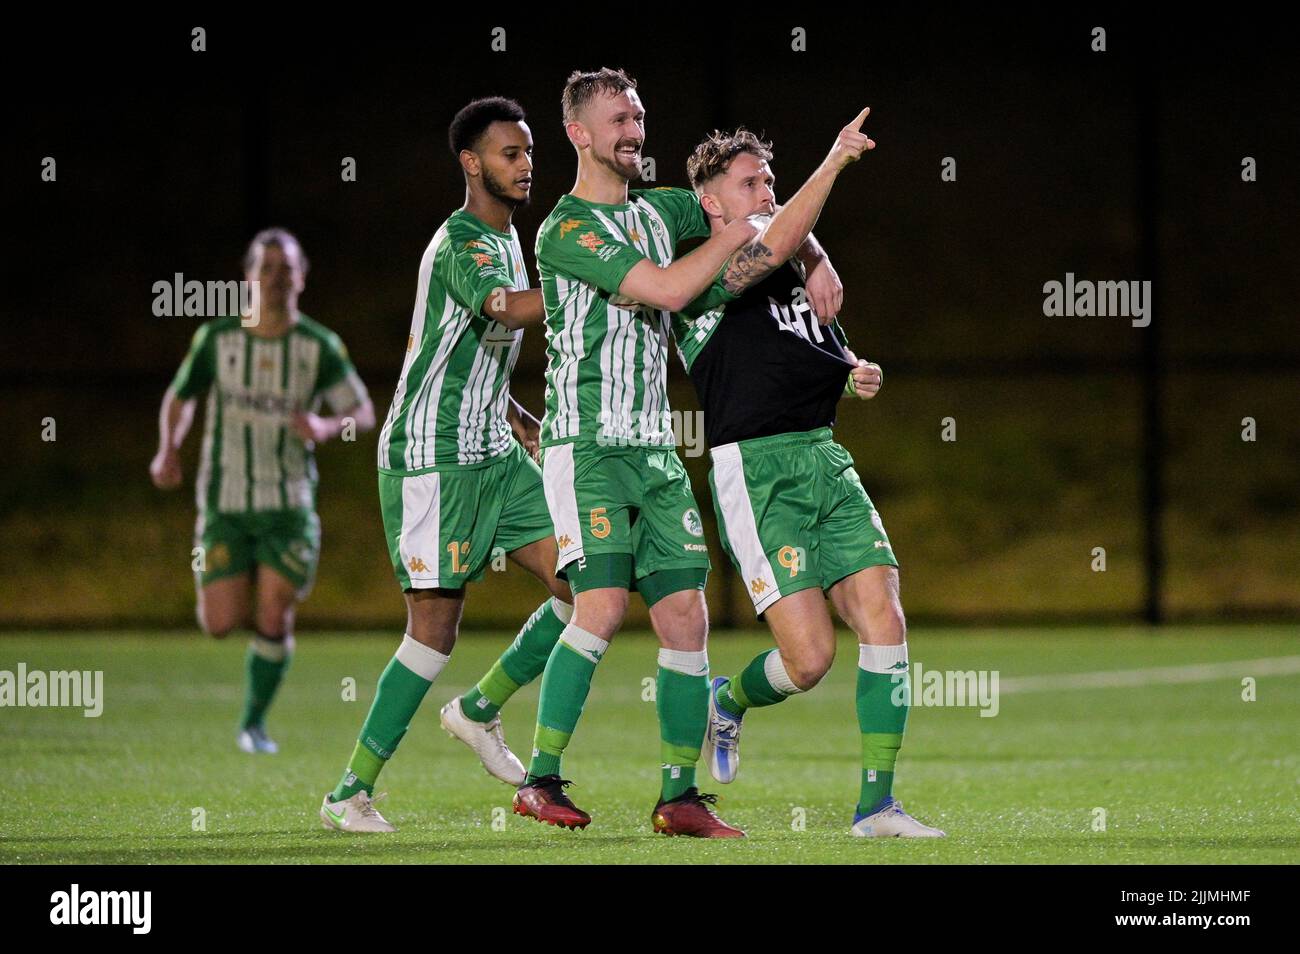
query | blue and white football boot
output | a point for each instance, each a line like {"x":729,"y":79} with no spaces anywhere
{"x":722,"y":740}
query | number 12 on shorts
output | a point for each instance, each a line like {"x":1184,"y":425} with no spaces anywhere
{"x":459,"y":549}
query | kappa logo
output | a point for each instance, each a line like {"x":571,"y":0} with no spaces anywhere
{"x":476,"y":243}
{"x":635,"y":236}
{"x":568,"y":225}
{"x":417,"y":565}
{"x":691,"y":523}
{"x":564,"y":540}
{"x":590,"y":241}
{"x":757,"y":586}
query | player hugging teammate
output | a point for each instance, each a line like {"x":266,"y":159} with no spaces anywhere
{"x":611,"y":510}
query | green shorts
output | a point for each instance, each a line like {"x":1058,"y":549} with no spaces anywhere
{"x":625,"y":517}
{"x":287,"y":541}
{"x":792,"y":514}
{"x":444,"y":525}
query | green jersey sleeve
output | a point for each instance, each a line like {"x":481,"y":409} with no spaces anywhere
{"x":583,"y":248}
{"x":338,"y":382}
{"x":715,"y":296}
{"x":196,"y":373}
{"x":470,"y":267}
{"x":681,"y":211}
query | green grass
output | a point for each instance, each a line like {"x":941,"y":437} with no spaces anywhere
{"x":1187,"y":773}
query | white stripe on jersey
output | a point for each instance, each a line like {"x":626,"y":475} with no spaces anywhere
{"x":660,"y":234}
{"x":421,"y":449}
{"x":418,"y":316}
{"x":575,"y":297}
{"x":266,"y":377}
{"x":231,"y":358}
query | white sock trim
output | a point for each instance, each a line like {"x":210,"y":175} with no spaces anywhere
{"x":883,"y":659}
{"x":688,"y":664}
{"x":589,"y":644}
{"x":774,"y":669}
{"x":562,"y":609}
{"x":420,"y":659}
{"x":272,"y":650}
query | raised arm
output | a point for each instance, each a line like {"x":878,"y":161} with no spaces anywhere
{"x":788,"y":231}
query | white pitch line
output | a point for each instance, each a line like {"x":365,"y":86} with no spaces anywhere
{"x":1167,"y":675}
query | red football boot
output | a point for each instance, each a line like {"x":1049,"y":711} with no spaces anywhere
{"x":689,"y":814}
{"x":545,"y":800}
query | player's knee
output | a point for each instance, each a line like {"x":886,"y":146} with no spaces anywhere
{"x":600,"y":612}
{"x":807,"y":667}
{"x":216,"y":625}
{"x":274,"y":619}
{"x":892,"y":625}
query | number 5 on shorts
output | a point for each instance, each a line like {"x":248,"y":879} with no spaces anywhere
{"x":599,"y":523}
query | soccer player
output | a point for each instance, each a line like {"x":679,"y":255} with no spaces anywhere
{"x":265,"y":376}
{"x":625,"y":516}
{"x":454,"y":484}
{"x":792,"y":512}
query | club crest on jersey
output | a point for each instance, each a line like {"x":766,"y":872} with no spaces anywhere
{"x":691,"y":522}
{"x":568,"y":225}
{"x":590,"y":241}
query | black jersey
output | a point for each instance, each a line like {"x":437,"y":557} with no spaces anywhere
{"x":762,"y":364}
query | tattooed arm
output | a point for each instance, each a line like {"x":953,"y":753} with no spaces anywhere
{"x":788,"y":230}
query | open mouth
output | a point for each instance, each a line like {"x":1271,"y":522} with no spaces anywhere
{"x":628,"y":153}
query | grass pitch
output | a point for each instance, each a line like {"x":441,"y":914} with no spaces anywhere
{"x":1185,"y":769}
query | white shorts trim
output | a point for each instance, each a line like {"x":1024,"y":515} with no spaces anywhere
{"x":419,"y":544}
{"x":562,"y":502}
{"x":742,"y":529}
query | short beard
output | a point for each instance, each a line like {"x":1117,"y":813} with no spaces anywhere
{"x":617,"y":168}
{"x":497,"y":190}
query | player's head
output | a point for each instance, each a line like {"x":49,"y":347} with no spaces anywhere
{"x":731,"y":175}
{"x":495,"y":148}
{"x":604,"y":119}
{"x":275,"y":261}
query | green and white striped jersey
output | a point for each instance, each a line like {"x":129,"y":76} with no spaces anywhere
{"x":450,"y":405}
{"x":607,"y":365}
{"x":252,"y":460}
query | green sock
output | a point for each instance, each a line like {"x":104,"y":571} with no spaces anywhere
{"x":264,"y":668}
{"x":519,"y":665}
{"x":882,"y":703}
{"x":565,"y":685}
{"x":754,"y":686}
{"x":401,"y":689}
{"x":682,"y":701}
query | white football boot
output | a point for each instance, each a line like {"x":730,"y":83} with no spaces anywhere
{"x":488,"y":742}
{"x":722,"y":739}
{"x":356,"y":814}
{"x":892,"y":822}
{"x":254,"y":739}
